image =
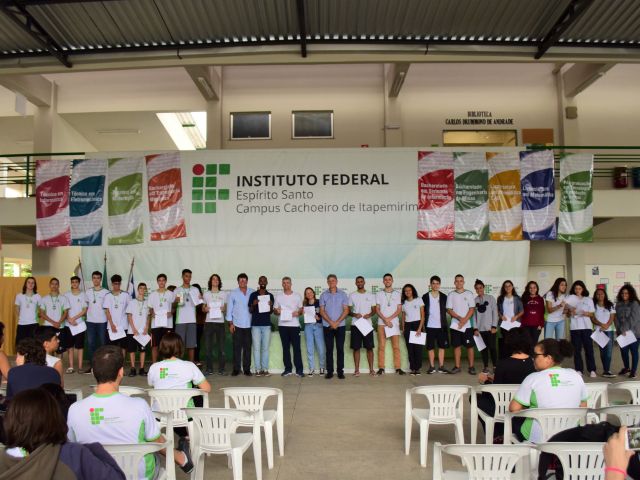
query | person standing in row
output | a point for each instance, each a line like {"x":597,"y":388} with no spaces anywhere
{"x":388,"y":308}
{"x":486,"y":325}
{"x":288,"y":307}
{"x":138,"y":318}
{"x":628,"y":319}
{"x":412,"y":321}
{"x":160,"y":302}
{"x":533,"y":313}
{"x":363,"y":305}
{"x":435,"y":312}
{"x":510,"y":309}
{"x":239,"y":320}
{"x":96,"y":318}
{"x":26,"y":309}
{"x":334,"y":308}
{"x":603,"y":319}
{"x":77,"y":301}
{"x":261,"y":326}
{"x":555,"y":300}
{"x":215,"y":301}
{"x":461,"y":307}
{"x":53,"y":311}
{"x":580,"y":308}
{"x":115,"y":308}
{"x":187,"y":298}
{"x":313,"y":334}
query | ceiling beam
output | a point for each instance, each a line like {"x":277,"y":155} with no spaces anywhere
{"x":574,"y":10}
{"x":302,"y":27}
{"x":206,"y":80}
{"x":34,"y":88}
{"x":18,"y":13}
{"x":29,"y":3}
{"x":396,"y":76}
{"x":581,"y":75}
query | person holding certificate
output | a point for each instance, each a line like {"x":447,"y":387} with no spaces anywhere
{"x":313,"y":333}
{"x":213,"y":336}
{"x":603,"y":319}
{"x":160,"y":302}
{"x":187,"y":299}
{"x":486,"y":324}
{"x":288,"y":307}
{"x":96,"y":318}
{"x":461,"y":306}
{"x":628,"y":320}
{"x":580,"y":308}
{"x":76,"y":326}
{"x":388,"y":308}
{"x":510,"y":309}
{"x":138,"y":336}
{"x":334,"y":308}
{"x":239,"y":319}
{"x":53,"y":312}
{"x":412,"y":325}
{"x":261,"y":306}
{"x":363,"y":306}
{"x":115,"y":307}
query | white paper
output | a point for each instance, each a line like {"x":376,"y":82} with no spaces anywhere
{"x":627,"y":339}
{"x":285,"y":315}
{"x":263,"y":303}
{"x":116,"y":335}
{"x":309,"y":314}
{"x":364,"y":325}
{"x":508,"y":325}
{"x":392,"y":331}
{"x":196,"y":299}
{"x":455,"y":325}
{"x":79,"y":327}
{"x":421,"y":340}
{"x":601,"y":338}
{"x":571,"y":301}
{"x":161,"y":318}
{"x":215,"y":309}
{"x":480,"y":345}
{"x":180,"y":298}
{"x":142,"y":339}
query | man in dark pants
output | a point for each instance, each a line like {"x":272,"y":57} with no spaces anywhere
{"x":334,"y":308}
{"x":240,"y":325}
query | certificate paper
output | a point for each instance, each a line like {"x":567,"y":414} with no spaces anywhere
{"x":601,"y":338}
{"x":142,"y":339}
{"x":116,"y":335}
{"x":285,"y":315}
{"x":79,"y":327}
{"x":309,"y":314}
{"x":627,"y":339}
{"x":508,"y":325}
{"x":161,"y":319}
{"x":195,"y":298}
{"x":421,"y":340}
{"x":455,"y":325}
{"x":364,"y":325}
{"x":392,"y":331}
{"x":263,"y":303}
{"x":480,"y":345}
{"x":215,"y":309}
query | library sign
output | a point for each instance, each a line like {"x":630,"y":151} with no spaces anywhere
{"x":479,"y":118}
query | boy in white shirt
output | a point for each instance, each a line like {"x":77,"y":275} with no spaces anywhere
{"x":115,"y":308}
{"x":388,"y":308}
{"x":461,"y":304}
{"x":138,"y":317}
{"x":76,"y":326}
{"x":53,"y":311}
{"x":362,"y":305}
{"x":288,"y":307}
{"x":160,"y":302}
{"x":187,"y":298}
{"x":96,"y":318}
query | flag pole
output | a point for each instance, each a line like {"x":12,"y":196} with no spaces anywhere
{"x":131,"y":274}
{"x":84,"y":288}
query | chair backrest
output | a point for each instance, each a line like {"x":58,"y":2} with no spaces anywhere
{"x":633,"y":388}
{"x":626,"y":415}
{"x":502,"y":396}
{"x":131,"y":391}
{"x":555,"y":420}
{"x":445,"y":401}
{"x":250,"y":399}
{"x":598,"y":396}
{"x":580,"y":461}
{"x":483,"y":462}
{"x":173,"y":401}
{"x":213,"y":426}
{"x":77,"y":392}
{"x":128,"y":457}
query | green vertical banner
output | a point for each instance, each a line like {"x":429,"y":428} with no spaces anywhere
{"x":472,"y":194}
{"x":576,"y":198}
{"x":125,"y":201}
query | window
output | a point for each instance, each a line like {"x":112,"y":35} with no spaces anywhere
{"x":312,"y":124}
{"x":16,"y":268}
{"x":480,"y":138}
{"x":251,"y":126}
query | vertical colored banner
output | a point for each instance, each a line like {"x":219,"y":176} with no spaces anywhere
{"x":86,"y":200}
{"x":472,"y":194}
{"x":164,"y":186}
{"x":52,"y":203}
{"x":538,"y":195}
{"x":125,"y":201}
{"x":505,"y":200}
{"x":576,"y":197}
{"x":435,"y":196}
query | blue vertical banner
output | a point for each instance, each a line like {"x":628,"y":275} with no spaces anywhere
{"x":86,"y":201}
{"x":538,"y":195}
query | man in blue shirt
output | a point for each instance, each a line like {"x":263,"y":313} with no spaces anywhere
{"x":239,"y":319}
{"x":334,"y":308}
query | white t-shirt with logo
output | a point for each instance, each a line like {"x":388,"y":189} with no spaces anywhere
{"x":174,"y":374}
{"x":460,"y":303}
{"x":556,"y":315}
{"x":54,"y":307}
{"x":117,"y":306}
{"x":603,"y":314}
{"x":388,"y":303}
{"x":210,"y":298}
{"x":77,"y":303}
{"x":186,"y":313}
{"x":161,"y":302}
{"x":434,"y":320}
{"x":551,"y":388}
{"x":291,"y":302}
{"x":95,"y":310}
{"x":508,"y":307}
{"x":411,"y":309}
{"x":139,"y":311}
{"x":28,"y":305}
{"x":362,"y":302}
{"x":584,"y":304}
{"x":114,"y":420}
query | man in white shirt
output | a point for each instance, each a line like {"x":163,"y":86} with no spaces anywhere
{"x":76,"y":326}
{"x":461,"y":305}
{"x":138,"y":318}
{"x":435,"y":313}
{"x":388,"y":308}
{"x":110,"y":418}
{"x":96,"y":318}
{"x":160,"y":302}
{"x":363,"y":306}
{"x":115,"y":308}
{"x":187,"y":299}
{"x":288,"y":307}
{"x":53,"y":311}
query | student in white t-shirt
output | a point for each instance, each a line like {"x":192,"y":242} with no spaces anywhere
{"x":388,"y":309}
{"x":77,"y":301}
{"x":111,"y":418}
{"x":53,"y":312}
{"x":363,"y":305}
{"x":138,"y":319}
{"x":555,"y":303}
{"x":48,"y":337}
{"x":437,"y":329}
{"x":96,"y":318}
{"x":115,"y":308}
{"x":160,"y":302}
{"x":461,"y":304}
{"x":288,"y":307}
{"x":26,"y":309}
{"x":186,"y":298}
{"x":550,"y":387}
{"x":413,"y":321}
{"x":604,"y":316}
{"x":215,"y":306}
{"x":580,"y":308}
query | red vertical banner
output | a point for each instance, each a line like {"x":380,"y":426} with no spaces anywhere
{"x":53,"y":226}
{"x":435,"y":196}
{"x":166,"y":213}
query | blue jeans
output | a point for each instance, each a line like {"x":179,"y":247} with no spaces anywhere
{"x":96,"y":336}
{"x":554,"y":330}
{"x":261,"y":337}
{"x":633,"y":348}
{"x":606,"y":352}
{"x":313,"y":334}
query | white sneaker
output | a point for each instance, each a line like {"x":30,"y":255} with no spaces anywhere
{"x":311,"y":373}
{"x":593,"y":375}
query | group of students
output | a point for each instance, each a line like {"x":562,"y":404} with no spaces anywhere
{"x":459,"y":319}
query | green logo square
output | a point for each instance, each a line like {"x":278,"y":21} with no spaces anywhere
{"x":196,"y":195}
{"x":197,"y":207}
{"x":197,"y":182}
{"x":210,"y":207}
{"x":211,"y":169}
{"x":164,"y":373}
{"x":95,"y":416}
{"x":211,"y":182}
{"x":210,"y":195}
{"x":223,"y":194}
{"x":225,"y":169}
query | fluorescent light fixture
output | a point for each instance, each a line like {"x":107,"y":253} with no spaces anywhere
{"x":174,"y":128}
{"x":206,"y":86}
{"x":119,"y":131}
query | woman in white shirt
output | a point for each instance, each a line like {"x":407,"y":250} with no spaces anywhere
{"x":412,"y":320}
{"x":580,"y":308}
{"x":26,"y":308}
{"x":555,"y":302}
{"x":604,"y":320}
{"x":510,"y":308}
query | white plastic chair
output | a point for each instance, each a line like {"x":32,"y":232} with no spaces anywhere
{"x":632,"y":388}
{"x":213,"y":431}
{"x":551,"y":420}
{"x":128,"y":457}
{"x":598,"y":394}
{"x":445,"y":404}
{"x":580,"y":461}
{"x":483,"y":462}
{"x":626,"y":415}
{"x":502,"y":396}
{"x":174,"y":400}
{"x":74,"y":391}
{"x":252,"y":399}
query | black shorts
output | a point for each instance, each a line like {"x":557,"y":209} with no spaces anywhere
{"x":460,"y":339}
{"x":76,"y":341}
{"x":437,"y":336}
{"x":132,"y":345}
{"x":157,"y":334}
{"x":358,"y":340}
{"x":65,"y":338}
{"x":25,"y":331}
{"x":121,"y":342}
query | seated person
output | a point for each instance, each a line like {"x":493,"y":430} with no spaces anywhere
{"x":111,"y":418}
{"x":48,"y":337}
{"x":31,"y":369}
{"x":37,"y":446}
{"x":550,"y":387}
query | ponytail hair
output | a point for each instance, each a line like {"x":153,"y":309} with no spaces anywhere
{"x":556,"y":349}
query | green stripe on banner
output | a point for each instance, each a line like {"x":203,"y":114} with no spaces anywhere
{"x":575,"y":223}
{"x":125,"y":194}
{"x":572,"y":198}
{"x":133,"y":237}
